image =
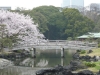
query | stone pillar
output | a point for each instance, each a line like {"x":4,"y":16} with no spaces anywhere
{"x":62,"y":61}
{"x":33,"y":63}
{"x":33,"y":52}
{"x":62,"y":52}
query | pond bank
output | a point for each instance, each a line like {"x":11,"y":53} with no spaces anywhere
{"x":4,"y":63}
{"x":95,"y":53}
{"x":14,"y":54}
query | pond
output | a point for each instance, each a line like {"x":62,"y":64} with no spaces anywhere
{"x":44,"y":59}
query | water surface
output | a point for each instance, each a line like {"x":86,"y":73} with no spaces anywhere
{"x":44,"y":59}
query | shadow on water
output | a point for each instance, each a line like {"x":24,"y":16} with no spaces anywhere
{"x":44,"y":59}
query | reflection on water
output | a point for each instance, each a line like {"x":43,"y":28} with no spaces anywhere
{"x":42,"y":63}
{"x":44,"y":59}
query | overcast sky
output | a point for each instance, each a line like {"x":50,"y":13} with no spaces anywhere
{"x":29,"y":4}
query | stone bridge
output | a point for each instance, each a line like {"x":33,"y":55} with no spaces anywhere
{"x":58,"y":44}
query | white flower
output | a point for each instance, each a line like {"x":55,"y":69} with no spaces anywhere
{"x":20,"y":24}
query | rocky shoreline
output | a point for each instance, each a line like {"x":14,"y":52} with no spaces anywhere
{"x":63,"y":70}
{"x":4,"y":63}
{"x":75,"y":67}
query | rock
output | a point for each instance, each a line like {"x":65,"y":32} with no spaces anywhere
{"x":74,"y":65}
{"x":59,"y":68}
{"x":98,"y":73}
{"x":90,"y":51}
{"x":68,"y":67}
{"x":76,"y":56}
{"x":97,"y":58}
{"x":87,"y":58}
{"x":85,"y":72}
{"x":94,"y":58}
{"x":82,"y":57}
{"x":78,"y":50}
{"x":67,"y":72}
{"x":40,"y":72}
{"x":5,"y":63}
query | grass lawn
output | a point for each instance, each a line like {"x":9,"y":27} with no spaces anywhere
{"x":95,"y":52}
{"x":96,"y":68}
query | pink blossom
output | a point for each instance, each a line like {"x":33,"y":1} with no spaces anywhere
{"x":20,"y":24}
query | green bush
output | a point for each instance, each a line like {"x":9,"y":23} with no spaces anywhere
{"x":90,"y":64}
{"x":82,"y":52}
{"x":99,"y":45}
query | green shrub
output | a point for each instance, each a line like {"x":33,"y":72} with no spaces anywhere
{"x":90,"y":64}
{"x":99,"y":45}
{"x":82,"y":52}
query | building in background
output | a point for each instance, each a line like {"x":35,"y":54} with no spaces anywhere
{"x":89,"y":35}
{"x":72,"y":3}
{"x":5,"y":8}
{"x":95,"y":7}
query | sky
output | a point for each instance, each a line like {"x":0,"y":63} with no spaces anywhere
{"x":29,"y":4}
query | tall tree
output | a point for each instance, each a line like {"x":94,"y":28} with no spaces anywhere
{"x":42,"y":16}
{"x":41,"y":20}
{"x":76,"y":23}
{"x":60,"y":23}
{"x":19,"y":26}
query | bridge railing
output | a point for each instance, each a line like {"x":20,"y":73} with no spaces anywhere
{"x":60,"y":43}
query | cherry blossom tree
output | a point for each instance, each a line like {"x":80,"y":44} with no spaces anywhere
{"x":20,"y":26}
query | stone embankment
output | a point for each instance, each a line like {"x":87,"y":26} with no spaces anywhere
{"x":4,"y":63}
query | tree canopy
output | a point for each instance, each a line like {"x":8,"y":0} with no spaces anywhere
{"x":76,"y":24}
{"x":18,"y":26}
{"x":60,"y":23}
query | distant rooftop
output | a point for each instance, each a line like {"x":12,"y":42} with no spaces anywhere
{"x":93,"y":35}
